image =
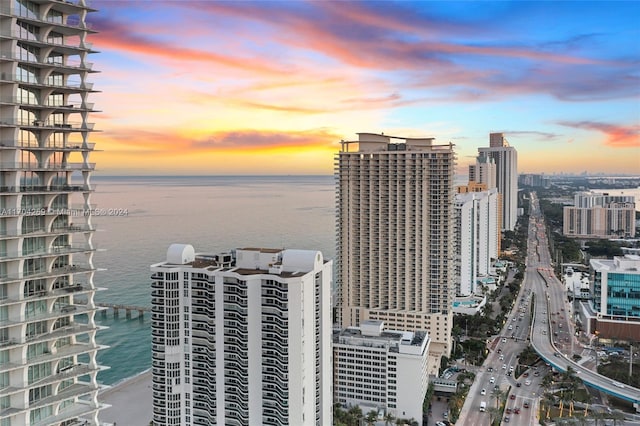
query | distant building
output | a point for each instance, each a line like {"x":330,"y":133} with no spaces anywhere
{"x":395,"y":235}
{"x":505,"y":158}
{"x":600,"y":216}
{"x":614,"y":311}
{"x":241,"y":338}
{"x":534,"y":180}
{"x":381,"y":370}
{"x":477,"y":237}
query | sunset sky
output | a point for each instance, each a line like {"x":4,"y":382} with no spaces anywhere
{"x":239,"y":87}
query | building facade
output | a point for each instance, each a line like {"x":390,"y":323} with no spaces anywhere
{"x":477,"y":237}
{"x":395,"y":234}
{"x":241,"y":338}
{"x":600,"y":216}
{"x":381,"y":370}
{"x":615,"y":304}
{"x":48,"y":364}
{"x":505,"y":158}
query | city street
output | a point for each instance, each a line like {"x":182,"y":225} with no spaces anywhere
{"x":551,"y":334}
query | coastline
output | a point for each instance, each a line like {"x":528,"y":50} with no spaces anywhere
{"x":130,"y":401}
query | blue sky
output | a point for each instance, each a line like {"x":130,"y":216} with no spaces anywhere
{"x":216,"y":87}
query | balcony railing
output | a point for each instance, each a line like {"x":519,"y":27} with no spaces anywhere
{"x":5,"y":190}
{"x":46,"y":126}
{"x":49,"y":166}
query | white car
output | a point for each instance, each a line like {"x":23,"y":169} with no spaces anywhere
{"x":528,"y":383}
{"x":504,"y":340}
{"x":492,"y":380}
{"x":483,"y":392}
{"x":510,"y":327}
{"x":504,"y":366}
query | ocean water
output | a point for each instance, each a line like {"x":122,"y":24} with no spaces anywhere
{"x":213,"y":213}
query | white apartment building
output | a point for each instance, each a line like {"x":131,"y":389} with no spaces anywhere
{"x":395,"y":234}
{"x":381,"y":370}
{"x":600,"y":216}
{"x":477,"y":233}
{"x":48,"y":364}
{"x":505,"y":158}
{"x":241,"y":338}
{"x":484,"y":171}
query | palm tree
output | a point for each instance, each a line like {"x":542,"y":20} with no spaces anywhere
{"x":371,"y":417}
{"x":493,"y":414}
{"x":388,"y":418}
{"x":499,"y":394}
{"x":548,"y":400}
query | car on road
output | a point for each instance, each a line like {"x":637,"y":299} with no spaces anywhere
{"x":513,"y":396}
{"x":492,"y":380}
{"x":489,"y":369}
{"x":526,"y":374}
{"x":441,"y":424}
{"x":518,"y":384}
{"x":516,"y":410}
{"x":528,"y":383}
{"x":506,"y":419}
{"x":510,"y":327}
{"x":526,"y":405}
{"x":618,"y":384}
{"x":508,"y":410}
{"x":445,"y":415}
{"x":483,"y":392}
{"x":504,"y":366}
{"x":504,"y":340}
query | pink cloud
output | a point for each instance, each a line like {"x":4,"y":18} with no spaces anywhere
{"x":617,"y":136}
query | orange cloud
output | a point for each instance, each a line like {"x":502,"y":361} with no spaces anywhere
{"x":617,"y":136}
{"x":146,"y":142}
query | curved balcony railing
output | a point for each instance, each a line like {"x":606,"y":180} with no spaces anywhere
{"x":9,"y":190}
{"x":39,"y":124}
{"x":48,"y":166}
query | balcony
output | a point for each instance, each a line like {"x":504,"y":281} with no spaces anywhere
{"x":49,"y":166}
{"x":42,"y":125}
{"x":40,"y":188}
{"x":59,"y":271}
{"x":54,"y":251}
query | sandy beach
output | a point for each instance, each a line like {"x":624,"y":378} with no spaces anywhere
{"x":131,"y":402}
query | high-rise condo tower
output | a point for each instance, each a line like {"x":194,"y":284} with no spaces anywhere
{"x":395,"y":234}
{"x":48,"y":349}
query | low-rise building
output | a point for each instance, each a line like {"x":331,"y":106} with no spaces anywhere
{"x":614,"y":311}
{"x":381,"y":370}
